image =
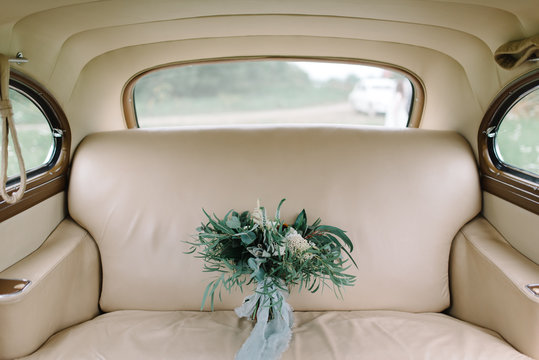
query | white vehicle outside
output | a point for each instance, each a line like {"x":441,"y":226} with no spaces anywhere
{"x":373,"y":96}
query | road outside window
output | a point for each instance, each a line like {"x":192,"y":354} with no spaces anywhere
{"x":268,"y":92}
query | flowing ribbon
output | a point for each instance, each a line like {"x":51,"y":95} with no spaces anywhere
{"x":270,"y":337}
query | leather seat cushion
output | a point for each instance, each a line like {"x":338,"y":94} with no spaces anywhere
{"x":135,"y":334}
{"x":401,"y":196}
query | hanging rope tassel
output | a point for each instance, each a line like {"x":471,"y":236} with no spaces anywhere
{"x":8,"y":127}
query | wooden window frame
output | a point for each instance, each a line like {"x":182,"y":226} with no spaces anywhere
{"x":518,"y":187}
{"x":418,"y":88}
{"x":50,"y":178}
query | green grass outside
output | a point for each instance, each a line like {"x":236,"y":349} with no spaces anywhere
{"x":517,"y":141}
{"x":33,"y":132}
{"x":35,"y":147}
{"x":223,"y":103}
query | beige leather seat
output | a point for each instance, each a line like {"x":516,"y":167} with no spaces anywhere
{"x":403,"y":196}
{"x":374,"y":335}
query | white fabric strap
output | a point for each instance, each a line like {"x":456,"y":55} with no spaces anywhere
{"x":270,"y":337}
{"x":8,"y":127}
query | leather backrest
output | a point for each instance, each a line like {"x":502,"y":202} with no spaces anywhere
{"x":401,"y":195}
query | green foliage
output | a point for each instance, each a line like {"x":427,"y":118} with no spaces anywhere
{"x":33,"y":132}
{"x":518,"y":135}
{"x":24,"y":110}
{"x":248,"y":247}
{"x":226,"y":78}
{"x":35,"y":147}
{"x":233,"y":87}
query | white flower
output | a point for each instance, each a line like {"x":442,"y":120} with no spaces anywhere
{"x":296,"y":243}
{"x":258,"y":215}
{"x":279,"y":251}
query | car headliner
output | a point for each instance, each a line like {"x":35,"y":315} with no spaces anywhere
{"x":84,"y":52}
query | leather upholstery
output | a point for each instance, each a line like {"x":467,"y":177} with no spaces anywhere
{"x":401,"y":195}
{"x":488,"y":286}
{"x":373,"y":335}
{"x":64,"y":290}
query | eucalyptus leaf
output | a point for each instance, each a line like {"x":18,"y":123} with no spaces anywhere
{"x":258,"y":275}
{"x":233,"y":222}
{"x":245,"y":218}
{"x":247,"y":238}
{"x":337,"y":232}
{"x":253,"y":264}
{"x":278,"y":212}
{"x":301,"y":222}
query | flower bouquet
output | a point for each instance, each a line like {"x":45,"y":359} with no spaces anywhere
{"x":249,"y":248}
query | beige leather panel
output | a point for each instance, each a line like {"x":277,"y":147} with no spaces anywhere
{"x":64,"y":290}
{"x":401,"y":195}
{"x":17,"y":239}
{"x":453,"y":28}
{"x":488,"y":279}
{"x":373,"y":335}
{"x":450,"y":105}
{"x":517,"y":225}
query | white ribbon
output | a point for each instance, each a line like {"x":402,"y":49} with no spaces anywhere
{"x":269,"y":339}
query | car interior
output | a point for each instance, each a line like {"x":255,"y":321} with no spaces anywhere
{"x":412,"y":125}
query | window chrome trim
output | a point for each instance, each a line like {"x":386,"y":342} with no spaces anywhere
{"x":497,"y":177}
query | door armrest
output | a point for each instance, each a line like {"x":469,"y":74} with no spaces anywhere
{"x":489,"y":286}
{"x":62,"y":285}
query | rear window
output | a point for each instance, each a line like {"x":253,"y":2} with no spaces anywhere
{"x":272,"y":92}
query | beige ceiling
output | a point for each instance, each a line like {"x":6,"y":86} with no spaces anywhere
{"x":51,"y":27}
{"x":441,"y":41}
